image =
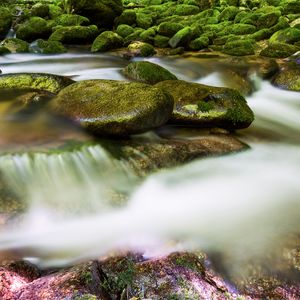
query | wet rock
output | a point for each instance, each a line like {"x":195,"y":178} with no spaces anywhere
{"x":39,"y":10}
{"x":169,"y":28}
{"x":99,"y":12}
{"x":74,"y":34}
{"x":108,"y":107}
{"x":3,"y":51}
{"x":141,"y":49}
{"x":279,"y":50}
{"x":199,"y":43}
{"x":239,"y":47}
{"x":5,"y":21}
{"x":32,"y":29}
{"x":161,"y":41}
{"x":128,"y":17}
{"x":15,"y":45}
{"x":288,"y":79}
{"x":107,"y":40}
{"x":286,"y":36}
{"x":47,"y":82}
{"x":46,"y":47}
{"x":228,"y":14}
{"x":181,"y":38}
{"x":124,"y":30}
{"x":147,"y":72}
{"x":206,"y":106}
{"x":71,"y":20}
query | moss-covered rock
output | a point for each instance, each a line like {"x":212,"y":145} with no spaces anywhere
{"x":135,"y":36}
{"x":199,"y":43}
{"x":279,"y":50}
{"x":148,"y":35}
{"x":74,"y":34}
{"x":291,"y":7}
{"x":161,"y":41}
{"x":288,"y":79}
{"x":47,"y":47}
{"x":33,"y":29}
{"x":55,"y":11}
{"x":5,"y":21}
{"x":39,"y":10}
{"x":286,"y":36}
{"x":4,"y":50}
{"x":107,"y":107}
{"x":186,"y":10}
{"x":228,"y":14}
{"x":39,"y":81}
{"x":15,"y":45}
{"x":71,"y":20}
{"x":127,"y":17}
{"x":239,"y":47}
{"x":240,"y":29}
{"x":147,"y":72}
{"x":144,"y":20}
{"x":124,"y":30}
{"x":141,"y":49}
{"x":99,"y":12}
{"x":169,"y":28}
{"x":206,"y":106}
{"x":181,"y":38}
{"x":107,"y":40}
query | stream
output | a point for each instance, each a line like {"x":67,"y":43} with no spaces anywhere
{"x":242,"y":204}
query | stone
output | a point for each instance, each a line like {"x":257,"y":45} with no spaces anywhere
{"x":239,"y":47}
{"x":169,"y":28}
{"x":206,"y":106}
{"x":147,"y":72}
{"x":279,"y":50}
{"x":41,"y":46}
{"x":39,"y":10}
{"x":5,"y":21}
{"x":124,"y":30}
{"x":15,"y":45}
{"x":141,"y":49}
{"x":4,"y":50}
{"x":117,"y":108}
{"x":100,"y":12}
{"x":47,"y":82}
{"x":74,"y":34}
{"x":181,"y":38}
{"x":286,"y":36}
{"x":107,"y":40}
{"x":288,"y":79}
{"x":72,"y":20}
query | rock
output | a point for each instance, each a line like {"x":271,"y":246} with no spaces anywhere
{"x":186,"y":10}
{"x":169,"y":28}
{"x":5,"y":21}
{"x":127,"y":17}
{"x":74,"y":34}
{"x":108,"y":107}
{"x":288,"y":79}
{"x":124,"y":30}
{"x":279,"y":50}
{"x":99,"y":12}
{"x":39,"y":10}
{"x":32,"y":29}
{"x":148,"y":35}
{"x":144,"y":20}
{"x":199,"y":43}
{"x":141,"y":49}
{"x":207,"y":106}
{"x":239,"y":47}
{"x":71,"y":20}
{"x":107,"y":40}
{"x":181,"y":38}
{"x":286,"y":36}
{"x":55,"y":11}
{"x":161,"y":41}
{"x":15,"y":45}
{"x":147,"y":72}
{"x":3,"y":51}
{"x":290,"y":7}
{"x":228,"y":14}
{"x":47,"y":82}
{"x":46,"y":47}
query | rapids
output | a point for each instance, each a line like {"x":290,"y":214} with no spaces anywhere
{"x":242,"y":204}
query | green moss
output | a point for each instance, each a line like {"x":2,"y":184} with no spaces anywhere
{"x":15,"y":45}
{"x":107,"y":40}
{"x":127,"y":17}
{"x":161,"y":41}
{"x":124,"y":30}
{"x":279,"y":50}
{"x":288,"y":79}
{"x":169,"y":28}
{"x":71,"y":20}
{"x":4,"y":50}
{"x":228,"y":14}
{"x":148,"y":35}
{"x":147,"y":72}
{"x":144,"y":20}
{"x":186,"y":10}
{"x":142,"y":49}
{"x":40,"y":10}
{"x":5,"y":21}
{"x":286,"y":36}
{"x":206,"y":106}
{"x":239,"y":47}
{"x":199,"y":43}
{"x":181,"y":38}
{"x":47,"y":47}
{"x":134,"y":36}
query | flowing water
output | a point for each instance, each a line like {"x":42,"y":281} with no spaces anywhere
{"x":240,"y":204}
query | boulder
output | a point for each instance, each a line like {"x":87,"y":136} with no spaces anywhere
{"x":286,"y":36}
{"x":5,"y":21}
{"x":288,"y":79}
{"x":279,"y":50}
{"x":47,"y":82}
{"x":108,"y":107}
{"x":15,"y":45}
{"x":239,"y":47}
{"x":141,"y":49}
{"x":71,"y":20}
{"x":107,"y":40}
{"x":39,"y":10}
{"x":206,"y":106}
{"x":99,"y":12}
{"x":41,"y":46}
{"x":147,"y":72}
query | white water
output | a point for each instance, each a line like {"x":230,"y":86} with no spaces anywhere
{"x":240,"y":204}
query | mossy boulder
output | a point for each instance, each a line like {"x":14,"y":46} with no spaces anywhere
{"x":127,"y":17}
{"x":199,"y":43}
{"x":291,"y":7}
{"x":141,"y":49}
{"x":15,"y":45}
{"x":39,"y":10}
{"x":228,"y":14}
{"x":288,"y":79}
{"x":148,"y":35}
{"x":169,"y":28}
{"x":117,"y":108}
{"x":107,"y":40}
{"x":161,"y":41}
{"x":71,"y":20}
{"x":3,"y":51}
{"x":207,"y":106}
{"x":144,"y":20}
{"x":124,"y":30}
{"x":279,"y":50}
{"x":286,"y":36}
{"x":47,"y":82}
{"x":33,"y":29}
{"x":186,"y":10}
{"x":46,"y":47}
{"x":99,"y":12}
{"x":147,"y":72}
{"x":241,"y":29}
{"x":181,"y":38}
{"x":74,"y":34}
{"x":55,"y":11}
{"x":239,"y":47}
{"x":5,"y":21}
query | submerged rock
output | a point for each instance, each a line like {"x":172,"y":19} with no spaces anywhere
{"x":108,"y":107}
{"x":288,"y":79}
{"x":47,"y":82}
{"x":147,"y":72}
{"x":207,"y":106}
